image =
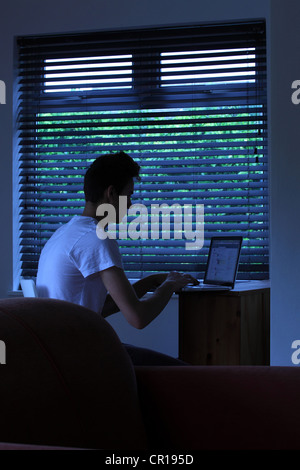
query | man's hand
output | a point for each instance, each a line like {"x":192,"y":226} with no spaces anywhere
{"x":180,"y":280}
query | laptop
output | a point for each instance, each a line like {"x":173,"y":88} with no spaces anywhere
{"x":222,"y":264}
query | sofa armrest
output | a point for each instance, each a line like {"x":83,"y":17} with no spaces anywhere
{"x":12,"y":446}
{"x":241,"y":407}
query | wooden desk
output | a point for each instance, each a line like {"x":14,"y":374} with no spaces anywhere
{"x":226,"y":327}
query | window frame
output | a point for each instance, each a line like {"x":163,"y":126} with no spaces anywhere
{"x":141,"y":90}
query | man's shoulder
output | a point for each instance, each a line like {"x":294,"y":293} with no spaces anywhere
{"x":71,"y":231}
{"x":78,"y":226}
{"x":84,"y":231}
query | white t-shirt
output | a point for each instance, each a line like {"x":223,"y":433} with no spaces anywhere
{"x":69,"y":257}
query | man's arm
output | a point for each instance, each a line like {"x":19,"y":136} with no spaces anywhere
{"x":139,"y":313}
{"x":141,"y":287}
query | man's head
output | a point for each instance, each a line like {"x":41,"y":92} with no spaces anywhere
{"x":109,"y":171}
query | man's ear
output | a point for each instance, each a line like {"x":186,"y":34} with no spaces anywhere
{"x":111,"y":193}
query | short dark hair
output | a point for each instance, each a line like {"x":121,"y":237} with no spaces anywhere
{"x":114,"y":169}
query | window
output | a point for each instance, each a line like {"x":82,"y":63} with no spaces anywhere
{"x":189,"y":104}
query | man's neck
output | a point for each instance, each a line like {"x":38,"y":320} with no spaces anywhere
{"x":90,"y":210}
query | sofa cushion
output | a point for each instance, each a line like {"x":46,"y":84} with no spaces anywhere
{"x":220,"y":407}
{"x":68,"y":380}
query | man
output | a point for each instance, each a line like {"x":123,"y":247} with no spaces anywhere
{"x":78,"y":266}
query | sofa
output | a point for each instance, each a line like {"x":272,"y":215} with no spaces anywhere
{"x":67,"y":382}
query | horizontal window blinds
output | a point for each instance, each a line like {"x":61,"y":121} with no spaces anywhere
{"x":188,"y":104}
